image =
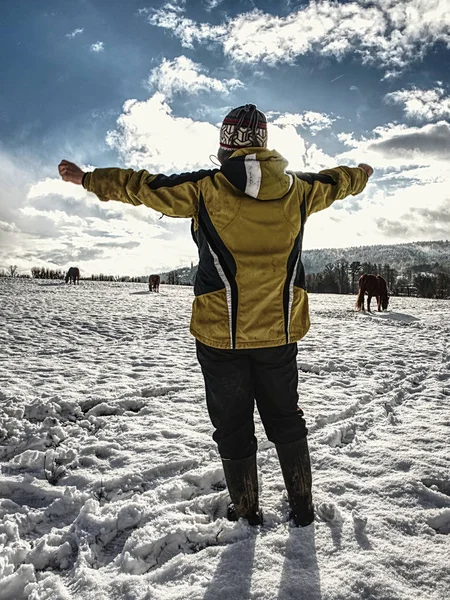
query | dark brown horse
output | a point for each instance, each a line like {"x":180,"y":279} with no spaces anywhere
{"x":73,"y":275}
{"x":372,"y":285}
{"x":153,"y":283}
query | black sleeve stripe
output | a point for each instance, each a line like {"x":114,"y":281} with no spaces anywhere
{"x":312,"y":177}
{"x":161,"y":181}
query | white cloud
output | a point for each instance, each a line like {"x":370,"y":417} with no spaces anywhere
{"x":149,"y":136}
{"x":422,"y":104}
{"x":400,"y":146}
{"x":406,"y":200}
{"x":212,"y":4}
{"x":14,"y":182}
{"x":313,"y":121}
{"x":59,"y":222}
{"x":300,"y":155}
{"x":173,"y":19}
{"x":184,"y":75}
{"x":97,"y":47}
{"x":74,"y":33}
{"x":415,"y":219}
{"x":8,"y":227}
{"x":49,"y":186}
{"x":391,"y":33}
{"x":47,"y":222}
{"x":402,"y":214}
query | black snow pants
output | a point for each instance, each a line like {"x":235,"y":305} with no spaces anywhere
{"x":234,"y":379}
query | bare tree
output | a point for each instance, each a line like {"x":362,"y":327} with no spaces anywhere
{"x":12,"y":270}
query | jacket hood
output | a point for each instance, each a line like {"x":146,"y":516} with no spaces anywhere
{"x":259,"y":173}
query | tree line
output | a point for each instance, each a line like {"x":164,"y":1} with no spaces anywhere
{"x":173,"y":278}
{"x":12,"y":271}
{"x":339,"y":277}
{"x":46,"y":273}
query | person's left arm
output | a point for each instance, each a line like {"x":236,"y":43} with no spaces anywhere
{"x":323,"y":188}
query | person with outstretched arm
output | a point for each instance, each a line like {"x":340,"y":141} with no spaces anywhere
{"x":251,"y":306}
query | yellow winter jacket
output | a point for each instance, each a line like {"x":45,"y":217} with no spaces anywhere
{"x":247,"y":220}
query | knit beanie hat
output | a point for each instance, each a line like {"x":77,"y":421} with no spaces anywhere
{"x":244,"y":127}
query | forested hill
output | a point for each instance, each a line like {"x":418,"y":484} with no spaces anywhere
{"x":428,"y":255}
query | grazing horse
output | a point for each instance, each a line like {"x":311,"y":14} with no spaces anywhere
{"x":372,"y":285}
{"x":153,"y":283}
{"x":73,"y":275}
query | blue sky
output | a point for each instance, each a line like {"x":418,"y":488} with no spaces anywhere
{"x":146,"y":85}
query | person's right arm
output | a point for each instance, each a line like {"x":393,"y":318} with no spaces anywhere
{"x":174,"y":195}
{"x":325,"y":187}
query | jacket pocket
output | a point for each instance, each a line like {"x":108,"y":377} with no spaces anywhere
{"x":211,"y":320}
{"x":299,"y":317}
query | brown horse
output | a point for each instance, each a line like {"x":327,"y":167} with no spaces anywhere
{"x":372,"y":285}
{"x":153,"y":283}
{"x":73,"y":275}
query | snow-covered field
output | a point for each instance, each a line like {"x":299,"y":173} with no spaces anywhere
{"x":111,"y":487}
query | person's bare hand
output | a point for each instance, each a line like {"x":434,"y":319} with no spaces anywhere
{"x":70,"y":172}
{"x":367,"y":168}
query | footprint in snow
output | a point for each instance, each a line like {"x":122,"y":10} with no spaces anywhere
{"x":438,"y":485}
{"x":327,"y":511}
{"x":341,"y":436}
{"x":359,"y":521}
{"x":441,"y":522}
{"x":142,"y":556}
{"x":159,"y":391}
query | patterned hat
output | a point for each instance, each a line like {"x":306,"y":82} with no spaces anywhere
{"x":244,"y":127}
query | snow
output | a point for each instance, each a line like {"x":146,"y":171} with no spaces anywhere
{"x":111,"y":486}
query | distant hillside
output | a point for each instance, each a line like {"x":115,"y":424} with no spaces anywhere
{"x":418,"y":256}
{"x":186,"y":275}
{"x":398,"y":256}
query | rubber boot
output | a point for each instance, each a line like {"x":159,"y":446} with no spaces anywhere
{"x":242,"y":480}
{"x":296,"y":468}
